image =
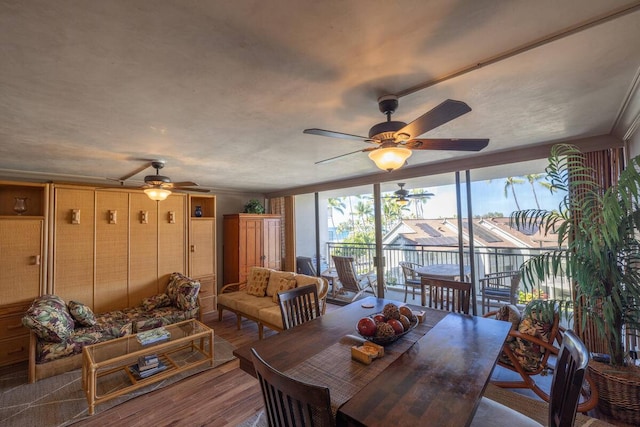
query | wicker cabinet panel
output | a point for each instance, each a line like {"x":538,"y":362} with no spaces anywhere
{"x":143,"y":248}
{"x":21,"y":252}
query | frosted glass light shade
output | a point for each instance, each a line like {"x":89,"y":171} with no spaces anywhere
{"x":402,"y":202}
{"x":157,"y":193}
{"x":390,"y":158}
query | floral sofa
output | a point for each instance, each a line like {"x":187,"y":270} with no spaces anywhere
{"x":59,"y":331}
{"x":257,"y":298}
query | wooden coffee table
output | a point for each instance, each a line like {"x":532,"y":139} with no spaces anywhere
{"x":190,"y":345}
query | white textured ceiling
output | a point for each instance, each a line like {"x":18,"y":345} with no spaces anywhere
{"x":223,"y":89}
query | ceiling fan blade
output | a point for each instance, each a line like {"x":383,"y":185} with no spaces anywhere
{"x":331,"y":134}
{"x":417,"y":196}
{"x":439,"y":115}
{"x":135,"y":172}
{"x":331,"y":159}
{"x":448,"y":144}
{"x":185,"y":184}
{"x":183,"y":189}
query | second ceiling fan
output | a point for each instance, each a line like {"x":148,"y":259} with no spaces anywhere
{"x":394,"y":140}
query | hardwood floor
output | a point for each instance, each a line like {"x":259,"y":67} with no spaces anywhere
{"x":223,"y":396}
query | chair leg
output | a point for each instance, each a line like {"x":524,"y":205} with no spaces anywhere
{"x":406,"y":291}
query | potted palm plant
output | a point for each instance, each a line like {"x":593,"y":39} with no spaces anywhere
{"x":598,"y":251}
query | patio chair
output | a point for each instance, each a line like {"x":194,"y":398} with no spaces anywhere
{"x":298,"y":305}
{"x":350,"y":280}
{"x":530,"y":350}
{"x":289,"y":402}
{"x":448,"y":295}
{"x":304,"y":265}
{"x":499,"y":287}
{"x":411,"y":278}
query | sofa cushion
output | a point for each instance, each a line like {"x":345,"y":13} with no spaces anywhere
{"x":303,"y":280}
{"x":162,"y":316}
{"x":271,"y":316}
{"x":156,"y":301}
{"x":49,"y":318}
{"x":258,"y":281}
{"x":252,"y":307}
{"x":231,"y":299}
{"x":81,"y":313}
{"x":183,"y":291}
{"x":510,"y":313}
{"x":48,"y":351}
{"x":275,"y":283}
{"x":284,"y":284}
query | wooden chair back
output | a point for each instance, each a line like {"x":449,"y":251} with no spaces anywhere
{"x":346,"y":270}
{"x":298,"y":305}
{"x":304,"y":265}
{"x":289,"y":402}
{"x":409,"y":272}
{"x":448,"y":295}
{"x":570,"y":369}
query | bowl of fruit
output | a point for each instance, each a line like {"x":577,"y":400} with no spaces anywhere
{"x":386,"y":327}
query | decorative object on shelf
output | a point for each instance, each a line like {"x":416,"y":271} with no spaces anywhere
{"x":254,"y":206}
{"x":198,"y":212}
{"x":20,"y":206}
{"x":598,"y":225}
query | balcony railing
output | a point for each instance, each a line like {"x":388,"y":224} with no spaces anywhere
{"x":486,"y":260}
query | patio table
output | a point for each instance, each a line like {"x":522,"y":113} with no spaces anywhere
{"x":440,"y":271}
{"x":435,"y":378}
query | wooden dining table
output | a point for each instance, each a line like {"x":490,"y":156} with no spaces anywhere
{"x":435,"y":378}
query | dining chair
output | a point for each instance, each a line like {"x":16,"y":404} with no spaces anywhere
{"x":449,"y":295}
{"x":304,"y":265}
{"x":289,"y":402}
{"x":352,"y":281}
{"x":411,"y":278}
{"x":566,"y":386}
{"x":298,"y":305}
{"x":499,"y":287}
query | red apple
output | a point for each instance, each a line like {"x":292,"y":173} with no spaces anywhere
{"x":379,"y":318}
{"x":367,"y":327}
{"x":396,"y":325}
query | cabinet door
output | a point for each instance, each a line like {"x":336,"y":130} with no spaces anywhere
{"x":272,"y":244}
{"x":202,"y":241}
{"x":171,"y":239}
{"x":73,"y":249}
{"x":250,"y":245}
{"x":21,"y":254}
{"x":112,"y":250}
{"x":143,"y":248}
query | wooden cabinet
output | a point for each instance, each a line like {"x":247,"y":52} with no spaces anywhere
{"x":250,"y":240}
{"x":202,"y":249}
{"x":23,"y":237}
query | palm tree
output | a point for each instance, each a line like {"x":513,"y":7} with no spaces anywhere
{"x":364,"y":210}
{"x":536,"y":177}
{"x":337,"y":204}
{"x":391,"y":212}
{"x":509,"y":184}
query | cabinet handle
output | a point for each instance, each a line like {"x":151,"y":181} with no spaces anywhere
{"x":36,"y":260}
{"x":20,"y":350}
{"x":193,"y":248}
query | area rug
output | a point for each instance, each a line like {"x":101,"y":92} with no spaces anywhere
{"x":259,"y":419}
{"x":59,"y":401}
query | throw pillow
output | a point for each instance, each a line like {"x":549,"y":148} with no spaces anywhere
{"x":303,"y":280}
{"x":509,"y":313}
{"x":274,"y":281}
{"x":156,"y":301}
{"x":49,"y":318}
{"x":81,"y":313}
{"x":539,"y":325}
{"x":183,"y":291}
{"x":258,"y":281}
{"x":284,"y":284}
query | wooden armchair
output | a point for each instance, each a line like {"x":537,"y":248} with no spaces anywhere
{"x":499,"y":287}
{"x":531,"y":349}
{"x":411,"y":278}
{"x":352,"y":281}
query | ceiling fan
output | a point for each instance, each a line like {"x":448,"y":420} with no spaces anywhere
{"x":402,"y":196}
{"x":394,"y":140}
{"x":159,"y":187}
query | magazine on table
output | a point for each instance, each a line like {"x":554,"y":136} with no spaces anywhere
{"x":153,"y":335}
{"x":135,"y":370}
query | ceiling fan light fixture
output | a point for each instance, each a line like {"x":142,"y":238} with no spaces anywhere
{"x":402,"y":201}
{"x":157,"y":194}
{"x":390,"y":158}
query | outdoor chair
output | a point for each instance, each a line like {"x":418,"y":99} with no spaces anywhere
{"x":304,"y":265}
{"x":298,"y":305}
{"x":352,"y":281}
{"x":411,"y":278}
{"x":289,"y":402}
{"x":566,"y":385}
{"x":448,"y":295}
{"x":530,"y":350}
{"x":499,"y":287}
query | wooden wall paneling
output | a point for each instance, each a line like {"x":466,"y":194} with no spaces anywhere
{"x":143,"y":248}
{"x":250,"y":246}
{"x":112,"y":251}
{"x":73,"y":245}
{"x":21,"y":249}
{"x":172,"y":245}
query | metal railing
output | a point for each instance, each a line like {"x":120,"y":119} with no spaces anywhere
{"x":486,"y":260}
